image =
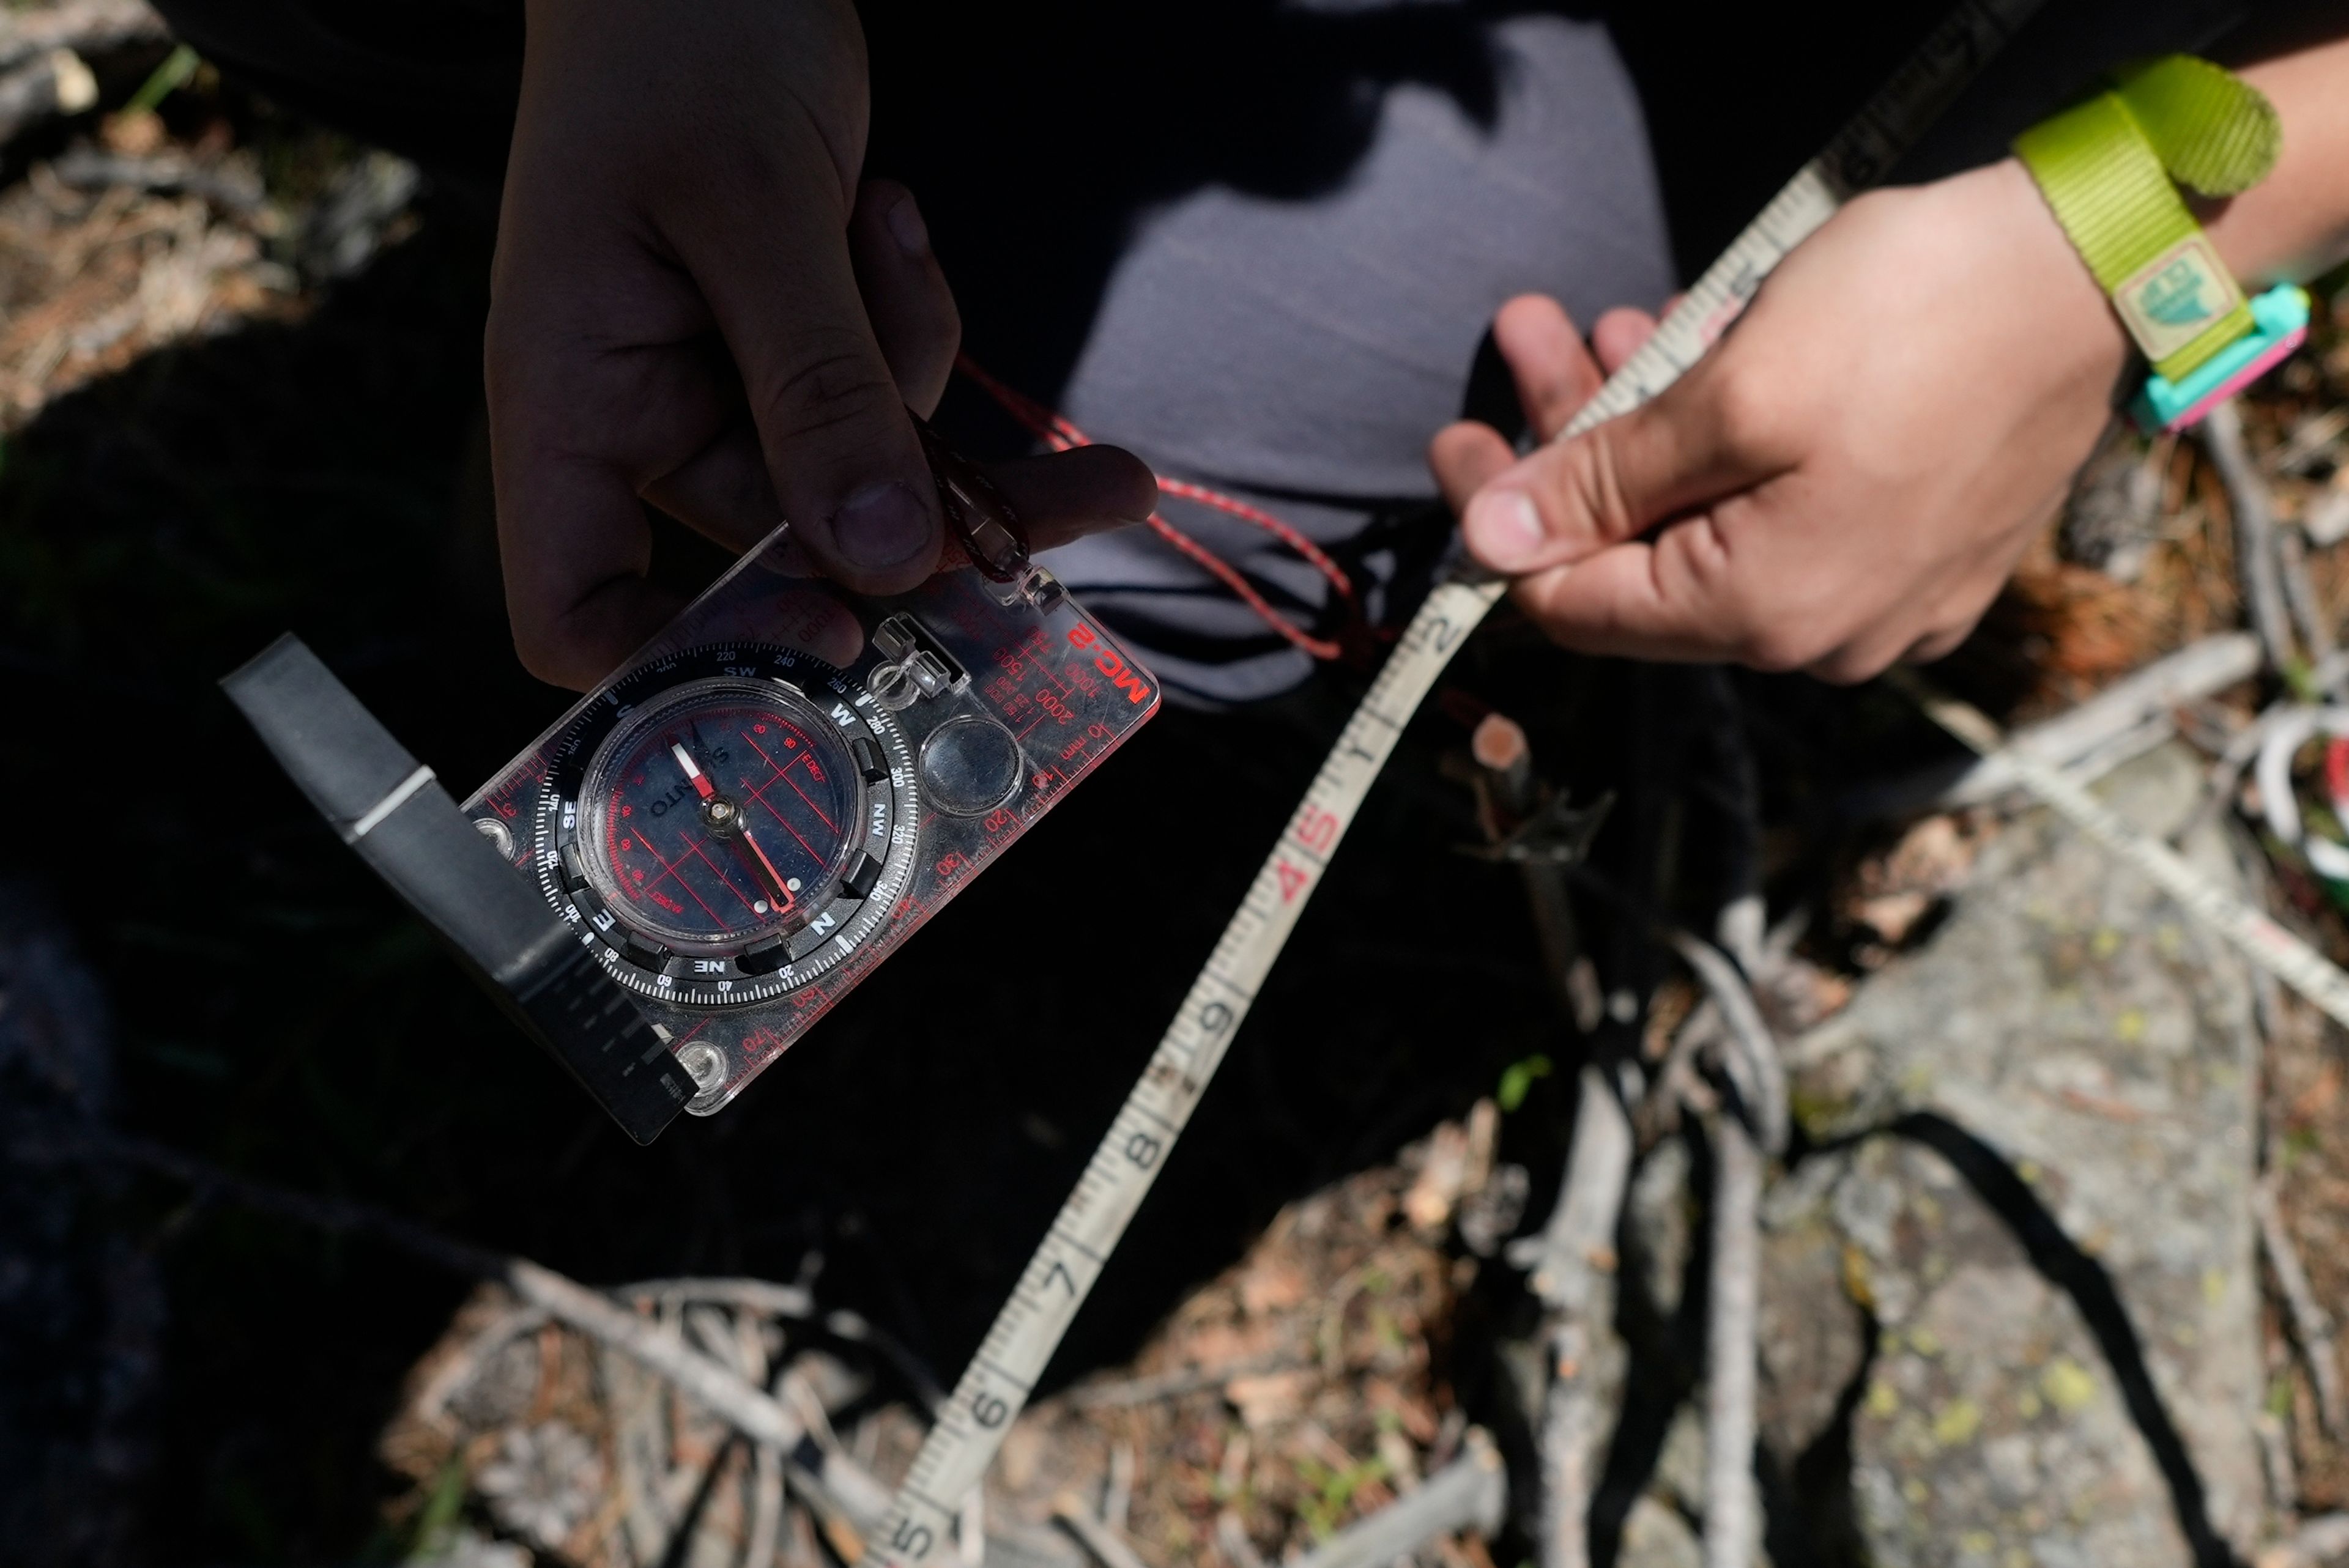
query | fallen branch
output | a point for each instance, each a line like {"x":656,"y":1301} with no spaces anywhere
{"x":233,"y":189}
{"x":795,"y":1302}
{"x":2300,"y":596}
{"x":2125,"y":720}
{"x":2276,"y":1462}
{"x":2226,"y":775}
{"x":2311,"y":1325}
{"x":1470,"y":1493}
{"x":766,"y":1507}
{"x":1232,"y":1540}
{"x":1754,"y":1067}
{"x":1575,"y":1254}
{"x":1730,"y":1354}
{"x":2256,"y":561}
{"x":1181,"y":1381}
{"x":1102,"y":1542}
{"x":1117,"y":1496}
{"x":1572,"y":1267}
{"x":1750,"y":1063}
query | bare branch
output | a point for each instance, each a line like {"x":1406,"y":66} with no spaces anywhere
{"x":2311,"y":1325}
{"x":2256,"y":561}
{"x":1572,"y":1264}
{"x":1730,"y":1339}
{"x":1754,"y":1067}
{"x":1470,"y":1493}
{"x":1577,"y":1249}
{"x":1106,"y":1545}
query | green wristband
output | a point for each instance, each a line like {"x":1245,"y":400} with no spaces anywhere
{"x":2110,"y":169}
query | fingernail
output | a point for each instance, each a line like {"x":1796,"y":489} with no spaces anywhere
{"x":905,"y":221}
{"x":1503,"y":528}
{"x":883,"y":525}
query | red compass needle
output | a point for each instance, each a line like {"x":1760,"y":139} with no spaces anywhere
{"x":775,"y":878}
{"x":702,"y":787}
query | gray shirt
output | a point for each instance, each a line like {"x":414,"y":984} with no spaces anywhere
{"x":1298,"y":352}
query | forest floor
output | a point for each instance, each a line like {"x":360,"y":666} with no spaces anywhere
{"x":239,"y":391}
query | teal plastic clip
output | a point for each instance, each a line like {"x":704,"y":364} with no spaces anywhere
{"x":2279,"y":325}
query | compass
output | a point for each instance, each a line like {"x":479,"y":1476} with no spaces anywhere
{"x":725,"y":824}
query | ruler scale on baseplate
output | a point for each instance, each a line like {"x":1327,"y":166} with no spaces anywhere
{"x":996,"y":1385}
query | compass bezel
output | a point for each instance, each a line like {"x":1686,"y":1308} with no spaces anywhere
{"x":866,"y":880}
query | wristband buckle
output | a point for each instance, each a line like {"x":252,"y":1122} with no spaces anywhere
{"x":2279,"y":326}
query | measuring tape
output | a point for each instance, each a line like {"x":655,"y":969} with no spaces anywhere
{"x":995,"y":1387}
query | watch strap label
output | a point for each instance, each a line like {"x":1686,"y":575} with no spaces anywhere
{"x":2183,"y":295}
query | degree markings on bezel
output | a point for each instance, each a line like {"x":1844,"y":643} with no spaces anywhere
{"x":846,"y":922}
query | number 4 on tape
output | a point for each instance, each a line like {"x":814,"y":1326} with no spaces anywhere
{"x":1293,"y":879}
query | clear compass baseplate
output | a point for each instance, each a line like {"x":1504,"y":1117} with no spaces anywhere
{"x":778,"y":791}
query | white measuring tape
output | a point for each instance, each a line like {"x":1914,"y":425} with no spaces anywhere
{"x":996,"y":1385}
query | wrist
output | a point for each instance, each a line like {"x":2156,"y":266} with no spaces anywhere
{"x":2116,"y":171}
{"x":2064,"y":314}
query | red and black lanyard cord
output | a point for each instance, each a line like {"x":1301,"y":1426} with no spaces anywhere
{"x":1056,"y":432}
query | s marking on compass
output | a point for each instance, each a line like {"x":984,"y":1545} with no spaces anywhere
{"x":996,"y":1385}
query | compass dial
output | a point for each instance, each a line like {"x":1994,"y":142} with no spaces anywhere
{"x":727,"y":823}
{"x":716,"y":811}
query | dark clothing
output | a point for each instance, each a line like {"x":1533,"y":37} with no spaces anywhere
{"x":1260,"y":244}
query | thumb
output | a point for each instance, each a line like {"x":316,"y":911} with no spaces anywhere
{"x":1696,"y":443}
{"x":847,"y":470}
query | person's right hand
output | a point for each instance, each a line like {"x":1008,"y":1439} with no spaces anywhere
{"x":695,"y":304}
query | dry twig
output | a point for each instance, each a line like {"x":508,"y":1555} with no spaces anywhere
{"x":2256,"y":561}
{"x":2127,"y":719}
{"x":1104,"y":1541}
{"x":1572,"y":1267}
{"x":1182,"y":1380}
{"x":1470,"y":1493}
{"x":2311,"y":1325}
{"x":1754,"y":1066}
{"x":1740,"y":1145}
{"x":1729,"y":1351}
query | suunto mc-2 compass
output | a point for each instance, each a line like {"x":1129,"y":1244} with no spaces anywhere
{"x":722,"y":839}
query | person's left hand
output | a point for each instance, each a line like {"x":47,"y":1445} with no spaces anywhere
{"x":1845,"y":480}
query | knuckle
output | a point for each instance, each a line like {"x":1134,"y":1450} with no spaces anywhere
{"x":1751,"y":413}
{"x":1586,"y":483}
{"x":1846,"y":668}
{"x":543,"y":656}
{"x":1780,"y":644}
{"x":828,"y":379}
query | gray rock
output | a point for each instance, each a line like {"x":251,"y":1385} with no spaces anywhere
{"x":1656,"y":1536}
{"x":2084,"y":1055}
